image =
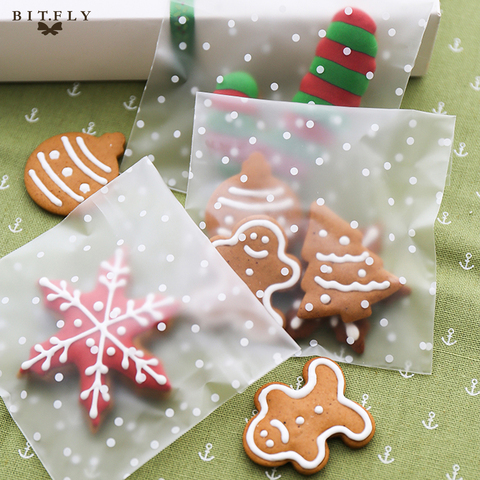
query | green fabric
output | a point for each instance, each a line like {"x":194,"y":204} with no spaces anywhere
{"x":340,"y":76}
{"x":354,"y":37}
{"x":401,"y":405}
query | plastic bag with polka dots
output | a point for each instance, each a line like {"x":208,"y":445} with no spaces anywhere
{"x":342,"y":183}
{"x":274,"y":45}
{"x":127,"y":263}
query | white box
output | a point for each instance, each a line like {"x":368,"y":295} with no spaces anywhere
{"x":100,"y":40}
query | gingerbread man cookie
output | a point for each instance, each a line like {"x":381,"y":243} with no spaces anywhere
{"x":66,"y":169}
{"x":254,"y":191}
{"x":294,"y":425}
{"x":98,"y":333}
{"x":256,"y":250}
{"x":343,"y":276}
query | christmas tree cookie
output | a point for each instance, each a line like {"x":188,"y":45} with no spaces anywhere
{"x":343,"y":276}
{"x":344,"y":62}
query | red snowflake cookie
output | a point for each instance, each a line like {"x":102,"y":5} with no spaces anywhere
{"x":99,"y":333}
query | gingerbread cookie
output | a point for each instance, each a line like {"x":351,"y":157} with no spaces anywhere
{"x":66,"y":169}
{"x":353,"y":333}
{"x":294,"y":425}
{"x":343,"y":276}
{"x":99,"y":332}
{"x":253,"y":191}
{"x":256,"y":250}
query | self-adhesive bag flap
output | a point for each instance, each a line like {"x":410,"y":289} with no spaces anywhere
{"x":121,"y":328}
{"x":321,"y":51}
{"x":356,"y":192}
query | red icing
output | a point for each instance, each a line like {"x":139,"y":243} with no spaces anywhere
{"x":356,"y":61}
{"x":312,"y":85}
{"x":357,"y":18}
{"x":90,"y":334}
{"x":235,"y":93}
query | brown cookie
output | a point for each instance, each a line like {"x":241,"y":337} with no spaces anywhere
{"x":294,"y":425}
{"x":253,"y":191}
{"x":256,"y":250}
{"x":353,"y":333}
{"x":66,"y":169}
{"x":343,"y":276}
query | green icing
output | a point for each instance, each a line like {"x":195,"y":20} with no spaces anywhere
{"x":302,"y":97}
{"x":340,"y":76}
{"x":354,"y":37}
{"x":241,"y":82}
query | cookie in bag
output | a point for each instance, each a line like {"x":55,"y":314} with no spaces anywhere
{"x":257,"y":251}
{"x":343,"y":276}
{"x":253,"y":191}
{"x":101,"y":332}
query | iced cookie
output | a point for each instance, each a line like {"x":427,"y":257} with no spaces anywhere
{"x":253,"y":191}
{"x":344,"y":61}
{"x":98,"y":332}
{"x":256,"y":250}
{"x":66,"y":169}
{"x":294,"y":425}
{"x":343,"y":276}
{"x":353,"y":333}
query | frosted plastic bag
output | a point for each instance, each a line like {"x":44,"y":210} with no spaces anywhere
{"x":218,"y":340}
{"x":382,"y":171}
{"x":275,"y":42}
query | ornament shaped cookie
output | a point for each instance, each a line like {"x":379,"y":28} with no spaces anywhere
{"x":294,"y":425}
{"x":256,"y":250}
{"x":253,"y":191}
{"x":343,"y":276}
{"x":66,"y":169}
{"x":99,"y":332}
{"x":344,"y":61}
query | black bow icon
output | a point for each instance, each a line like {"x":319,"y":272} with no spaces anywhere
{"x":54,"y":29}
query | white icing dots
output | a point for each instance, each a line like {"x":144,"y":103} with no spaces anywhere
{"x":309,"y":307}
{"x":67,"y":172}
{"x":365,"y":304}
{"x":84,"y":187}
{"x":265,"y":239}
{"x":263,"y":433}
{"x":98,"y":306}
{"x":111,"y":351}
{"x":285,"y":271}
{"x":369,"y":261}
{"x":344,"y":240}
{"x":318,"y":409}
{"x":270,"y":443}
{"x":300,"y":420}
{"x":323,"y":233}
{"x":325,"y":299}
{"x":77,"y":323}
{"x":326,"y":269}
{"x":253,"y":236}
{"x":362,"y":273}
{"x":54,"y":154}
{"x":121,"y":331}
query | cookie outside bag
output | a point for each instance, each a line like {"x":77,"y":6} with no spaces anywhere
{"x":66,"y":169}
{"x":294,"y":425}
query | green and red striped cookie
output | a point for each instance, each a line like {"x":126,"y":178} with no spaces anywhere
{"x":238,"y":84}
{"x":344,"y":62}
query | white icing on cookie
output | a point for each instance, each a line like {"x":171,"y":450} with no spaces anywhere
{"x":291,"y":455}
{"x":281,"y":254}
